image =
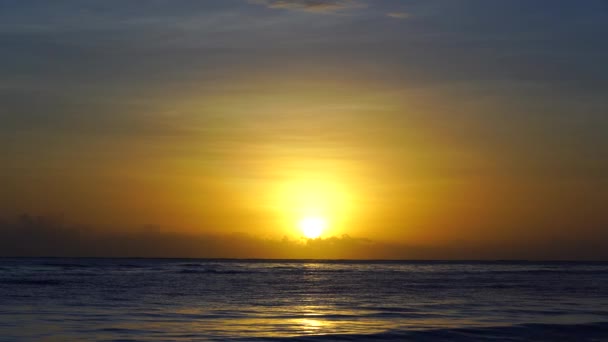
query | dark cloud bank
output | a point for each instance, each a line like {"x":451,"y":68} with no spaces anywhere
{"x":29,"y":236}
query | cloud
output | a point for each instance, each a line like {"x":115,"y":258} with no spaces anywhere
{"x":318,"y":6}
{"x":30,"y":236}
{"x":399,"y":15}
{"x":43,"y":236}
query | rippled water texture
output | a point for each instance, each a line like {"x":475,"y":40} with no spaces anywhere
{"x":132,"y":299}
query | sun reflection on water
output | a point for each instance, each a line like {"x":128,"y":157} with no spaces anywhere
{"x":312,"y":326}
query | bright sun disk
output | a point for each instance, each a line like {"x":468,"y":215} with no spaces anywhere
{"x":312,"y":227}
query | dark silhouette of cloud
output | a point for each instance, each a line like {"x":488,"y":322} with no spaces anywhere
{"x":41,"y":236}
{"x":30,"y":236}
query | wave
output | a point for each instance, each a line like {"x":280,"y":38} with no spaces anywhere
{"x":525,"y":332}
{"x":540,"y":271}
{"x":37,"y":282}
{"x":66,"y":265}
{"x":92,"y":265}
{"x":213,"y":271}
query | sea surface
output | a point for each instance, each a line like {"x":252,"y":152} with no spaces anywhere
{"x":254,"y":300}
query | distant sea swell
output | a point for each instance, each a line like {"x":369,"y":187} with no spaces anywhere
{"x":259,"y":300}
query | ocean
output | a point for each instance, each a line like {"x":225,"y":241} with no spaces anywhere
{"x":56,"y":299}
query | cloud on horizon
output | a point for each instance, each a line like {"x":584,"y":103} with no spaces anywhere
{"x":31,"y":236}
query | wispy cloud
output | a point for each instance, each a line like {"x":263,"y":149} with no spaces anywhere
{"x":319,"y":6}
{"x":399,"y":15}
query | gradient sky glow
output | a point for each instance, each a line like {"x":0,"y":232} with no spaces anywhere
{"x":474,"y":128}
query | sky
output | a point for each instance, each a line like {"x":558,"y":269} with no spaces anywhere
{"x":433,"y":129}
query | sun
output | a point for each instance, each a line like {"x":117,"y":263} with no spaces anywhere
{"x":312,"y":226}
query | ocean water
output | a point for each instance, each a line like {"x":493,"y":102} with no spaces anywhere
{"x":223,"y":300}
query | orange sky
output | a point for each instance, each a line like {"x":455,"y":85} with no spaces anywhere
{"x":242,"y":117}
